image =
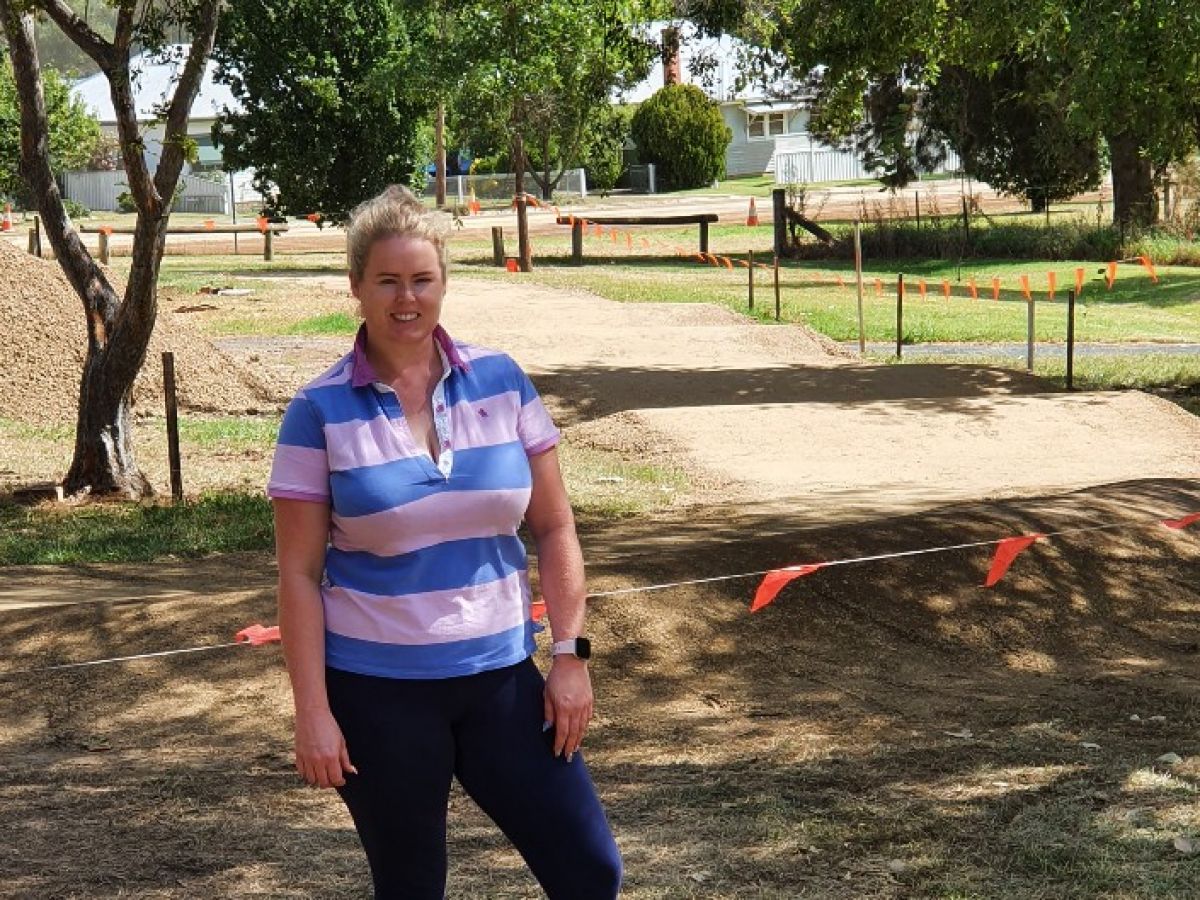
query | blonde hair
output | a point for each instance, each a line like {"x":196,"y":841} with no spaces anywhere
{"x":394,"y":213}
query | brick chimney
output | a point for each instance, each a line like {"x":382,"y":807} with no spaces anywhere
{"x":670,"y":56}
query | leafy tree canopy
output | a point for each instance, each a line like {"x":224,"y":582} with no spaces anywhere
{"x":682,"y":132}
{"x":74,"y":133}
{"x":331,"y":99}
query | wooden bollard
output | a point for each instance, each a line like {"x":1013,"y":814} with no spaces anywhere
{"x":750,"y":284}
{"x":168,"y":364}
{"x":899,"y":315}
{"x":268,"y":244}
{"x":777,"y":309}
{"x":104,"y":247}
{"x":498,"y":245}
{"x":577,"y":242}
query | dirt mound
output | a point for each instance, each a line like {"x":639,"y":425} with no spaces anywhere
{"x":42,"y":329}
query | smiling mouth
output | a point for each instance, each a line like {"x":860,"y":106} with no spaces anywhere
{"x":405,"y":317}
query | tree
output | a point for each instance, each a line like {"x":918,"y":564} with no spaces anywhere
{"x":74,"y":133}
{"x":682,"y":132}
{"x":1011,"y":130}
{"x":330,"y":105}
{"x":1125,"y":70}
{"x":118,"y":328}
{"x":539,"y":73}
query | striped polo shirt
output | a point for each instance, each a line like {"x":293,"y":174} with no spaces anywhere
{"x":425,"y":576}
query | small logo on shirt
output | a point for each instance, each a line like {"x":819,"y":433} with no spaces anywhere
{"x":483,"y":414}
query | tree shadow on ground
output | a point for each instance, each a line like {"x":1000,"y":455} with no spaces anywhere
{"x":889,"y":729}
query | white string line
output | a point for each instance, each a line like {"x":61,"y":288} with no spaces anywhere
{"x":863,"y":559}
{"x":644,"y":588}
{"x":115,"y":659}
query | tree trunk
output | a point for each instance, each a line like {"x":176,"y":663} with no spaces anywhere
{"x":1134,"y":200}
{"x":518,"y":164}
{"x":118,"y":330}
{"x":439,"y":156}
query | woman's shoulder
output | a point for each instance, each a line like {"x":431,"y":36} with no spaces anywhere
{"x":339,"y":374}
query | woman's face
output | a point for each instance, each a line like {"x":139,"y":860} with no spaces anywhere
{"x":400,"y":291}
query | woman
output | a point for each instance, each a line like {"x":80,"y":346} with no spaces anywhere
{"x":400,"y":478}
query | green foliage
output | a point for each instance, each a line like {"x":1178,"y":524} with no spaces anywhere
{"x":537,"y":75}
{"x":330,"y":107}
{"x":682,"y":133}
{"x":604,"y":146}
{"x":1127,"y":71}
{"x":74,"y":132}
{"x":1010,"y":128}
{"x":218,"y":523}
{"x":75,"y":209}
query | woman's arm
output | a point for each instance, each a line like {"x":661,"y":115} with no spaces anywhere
{"x":568,"y":698}
{"x":301,"y":532}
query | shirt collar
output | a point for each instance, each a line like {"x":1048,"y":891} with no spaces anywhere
{"x":362,"y":373}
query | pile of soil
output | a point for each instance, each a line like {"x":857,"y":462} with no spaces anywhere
{"x":43,"y":329}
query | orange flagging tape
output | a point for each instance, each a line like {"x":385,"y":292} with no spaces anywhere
{"x":256,"y":635}
{"x":878,"y":287}
{"x":775,"y":581}
{"x":995,"y":288}
{"x":1078,"y":282}
{"x":946,"y":288}
{"x":971,"y":286}
{"x":1051,"y":283}
{"x":1111,"y":274}
{"x":262,"y":224}
{"x":1025,"y":287}
{"x":1145,"y":261}
{"x":1007,"y":551}
{"x":1182,"y":523}
{"x":923,"y":288}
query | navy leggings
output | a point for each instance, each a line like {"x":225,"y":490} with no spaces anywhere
{"x":407,"y":738}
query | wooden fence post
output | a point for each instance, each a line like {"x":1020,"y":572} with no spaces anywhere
{"x":104,"y":247}
{"x":750,"y":296}
{"x":577,"y":242}
{"x":268,"y":244}
{"x":498,"y":245}
{"x":168,"y":364}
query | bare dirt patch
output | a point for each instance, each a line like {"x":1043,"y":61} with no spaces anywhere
{"x":883,"y":730}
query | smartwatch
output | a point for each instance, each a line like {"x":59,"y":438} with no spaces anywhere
{"x":579,"y":647}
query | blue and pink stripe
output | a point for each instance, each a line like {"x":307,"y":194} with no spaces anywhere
{"x":425,"y":576}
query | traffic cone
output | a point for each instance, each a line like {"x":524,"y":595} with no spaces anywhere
{"x":6,"y":222}
{"x":752,"y":215}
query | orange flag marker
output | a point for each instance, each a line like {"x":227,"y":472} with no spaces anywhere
{"x":775,"y":581}
{"x":923,"y":288}
{"x":262,"y":224}
{"x":256,"y":635}
{"x":995,"y":288}
{"x":946,"y":288}
{"x":629,"y":240}
{"x":1145,"y":260}
{"x":878,"y":287}
{"x":1025,"y":287}
{"x":973,"y":288}
{"x":1051,"y":283}
{"x":1182,"y":523}
{"x":1007,"y":551}
{"x":1111,"y":274}
{"x":1078,"y":282}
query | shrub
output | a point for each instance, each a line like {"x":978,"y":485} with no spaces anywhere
{"x":681,"y":131}
{"x":75,"y":209}
{"x":604,"y":151}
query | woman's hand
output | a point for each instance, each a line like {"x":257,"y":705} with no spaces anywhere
{"x":568,"y":703}
{"x":321,"y":755}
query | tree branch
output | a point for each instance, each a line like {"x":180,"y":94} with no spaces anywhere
{"x":80,"y":33}
{"x":170,"y":164}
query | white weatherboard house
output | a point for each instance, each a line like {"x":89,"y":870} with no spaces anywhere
{"x":154,"y":81}
{"x":769,"y":126}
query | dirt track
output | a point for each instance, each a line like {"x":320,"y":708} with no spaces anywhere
{"x":888,"y":730}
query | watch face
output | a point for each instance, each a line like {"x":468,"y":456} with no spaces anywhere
{"x":583,"y":648}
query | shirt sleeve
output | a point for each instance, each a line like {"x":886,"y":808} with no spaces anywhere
{"x":535,"y":428}
{"x":300,"y":470}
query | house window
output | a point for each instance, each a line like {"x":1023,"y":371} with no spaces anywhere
{"x":762,"y":125}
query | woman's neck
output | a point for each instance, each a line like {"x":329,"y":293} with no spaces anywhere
{"x":404,"y":363}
